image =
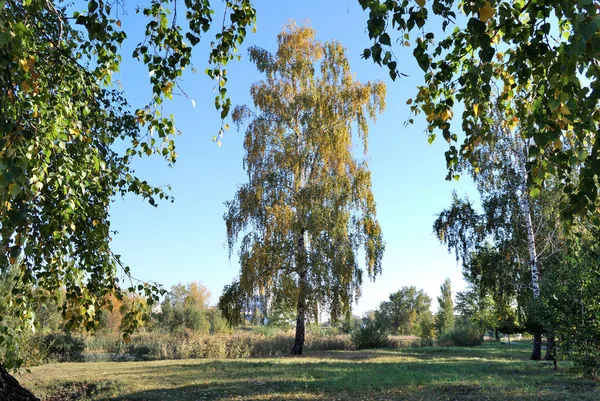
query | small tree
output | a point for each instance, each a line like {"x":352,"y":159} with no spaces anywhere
{"x":444,"y":318}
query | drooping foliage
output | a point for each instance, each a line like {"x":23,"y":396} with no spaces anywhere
{"x":63,"y":122}
{"x":307,"y":206}
{"x":539,"y":56}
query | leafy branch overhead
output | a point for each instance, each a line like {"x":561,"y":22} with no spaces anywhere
{"x":537,"y":59}
{"x":61,"y":119}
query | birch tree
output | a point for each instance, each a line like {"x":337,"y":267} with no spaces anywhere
{"x":307,"y":207}
{"x":521,"y":225}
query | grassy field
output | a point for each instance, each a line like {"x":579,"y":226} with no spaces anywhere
{"x":494,"y":372}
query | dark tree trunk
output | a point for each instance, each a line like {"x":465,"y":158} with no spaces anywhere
{"x":11,"y":390}
{"x":497,"y":334}
{"x":536,"y":354}
{"x":551,"y":351}
{"x":299,"y":340}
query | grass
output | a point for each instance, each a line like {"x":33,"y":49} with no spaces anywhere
{"x":488,"y":372}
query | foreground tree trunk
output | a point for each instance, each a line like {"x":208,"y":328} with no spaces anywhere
{"x":11,"y":390}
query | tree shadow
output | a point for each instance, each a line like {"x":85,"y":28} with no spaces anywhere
{"x":366,"y":375}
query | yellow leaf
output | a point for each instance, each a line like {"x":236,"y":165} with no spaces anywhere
{"x":476,"y":109}
{"x":486,"y":12}
{"x":565,"y":110}
{"x":447,"y":115}
{"x":94,"y":222}
{"x":421,"y":3}
{"x":27,"y":64}
{"x":558,"y":144}
{"x":119,"y":23}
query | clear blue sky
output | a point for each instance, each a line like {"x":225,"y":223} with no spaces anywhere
{"x":185,"y":241}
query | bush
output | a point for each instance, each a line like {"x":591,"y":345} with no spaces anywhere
{"x":369,"y":334}
{"x":462,"y":336}
{"x":60,"y":347}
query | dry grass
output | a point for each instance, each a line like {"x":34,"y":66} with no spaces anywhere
{"x":479,"y":373}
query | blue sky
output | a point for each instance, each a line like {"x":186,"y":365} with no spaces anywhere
{"x":185,"y":241}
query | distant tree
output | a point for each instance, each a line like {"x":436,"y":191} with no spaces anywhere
{"x":185,"y":307}
{"x":404,"y":310}
{"x":426,"y":328}
{"x":112,"y":315}
{"x":282,"y":316}
{"x":444,"y":318}
{"x":218,"y":324}
{"x":307,"y":207}
{"x":476,"y":309}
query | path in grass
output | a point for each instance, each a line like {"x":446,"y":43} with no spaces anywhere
{"x":480,"y":373}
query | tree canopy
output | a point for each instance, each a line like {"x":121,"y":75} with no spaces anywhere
{"x":538,"y":59}
{"x":307,"y":206}
{"x":61,"y":119}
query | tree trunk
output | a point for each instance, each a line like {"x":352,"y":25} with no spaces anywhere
{"x":497,"y":334}
{"x":300,"y":329}
{"x":302,"y":287}
{"x":299,"y":340}
{"x":536,"y":354}
{"x":11,"y":390}
{"x":551,"y":350}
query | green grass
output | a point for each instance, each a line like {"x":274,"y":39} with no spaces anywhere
{"x":487,"y":372}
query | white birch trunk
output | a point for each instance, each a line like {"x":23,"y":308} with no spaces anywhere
{"x":533,"y":260}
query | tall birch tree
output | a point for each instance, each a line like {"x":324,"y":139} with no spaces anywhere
{"x":521,"y":225}
{"x":307,"y":207}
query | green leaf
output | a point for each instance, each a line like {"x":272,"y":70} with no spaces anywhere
{"x":534,"y":193}
{"x":384,"y":39}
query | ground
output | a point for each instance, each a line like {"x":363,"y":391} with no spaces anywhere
{"x":487,"y":372}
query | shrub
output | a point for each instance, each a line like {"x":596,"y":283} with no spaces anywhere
{"x":60,"y":347}
{"x":462,"y":336}
{"x":349,"y":324}
{"x":369,"y":334}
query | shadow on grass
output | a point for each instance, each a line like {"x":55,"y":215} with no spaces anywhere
{"x":442,"y":375}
